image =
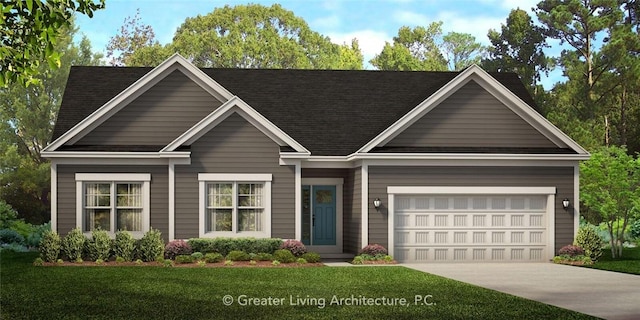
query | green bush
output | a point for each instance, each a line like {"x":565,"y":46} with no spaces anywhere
{"x":23,"y":228}
{"x":262,"y":256}
{"x":357,"y":260}
{"x":50,"y":246}
{"x":197,"y":255}
{"x":120,"y":259}
{"x":99,"y":246}
{"x":7,"y":215}
{"x":14,"y":247}
{"x":301,"y":261}
{"x":124,"y":246}
{"x":284,"y":256}
{"x":237,"y":255}
{"x":213,"y":257}
{"x":311,"y":257}
{"x":226,"y":245}
{"x":634,"y":230}
{"x":73,"y":244}
{"x":34,"y":238}
{"x":38,"y":262}
{"x":8,"y":236}
{"x":184,"y":259}
{"x":589,"y":240}
{"x":151,"y":245}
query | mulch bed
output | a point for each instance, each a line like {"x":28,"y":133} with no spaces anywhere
{"x":236,"y":264}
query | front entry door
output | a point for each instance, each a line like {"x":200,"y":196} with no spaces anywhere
{"x":320,"y":205}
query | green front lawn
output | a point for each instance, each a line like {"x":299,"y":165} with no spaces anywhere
{"x":630,"y":262}
{"x":138,"y":292}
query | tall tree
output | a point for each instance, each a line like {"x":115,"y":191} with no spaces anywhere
{"x":610,"y":185}
{"x":461,"y":50}
{"x":413,"y":49}
{"x":29,"y":32}
{"x":518,"y":47}
{"x":26,"y":123}
{"x":133,"y":36}
{"x":251,"y":36}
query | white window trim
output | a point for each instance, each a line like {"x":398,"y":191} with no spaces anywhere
{"x":145,"y":178}
{"x":204,"y":178}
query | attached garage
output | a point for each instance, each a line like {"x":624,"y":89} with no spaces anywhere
{"x":471,"y":224}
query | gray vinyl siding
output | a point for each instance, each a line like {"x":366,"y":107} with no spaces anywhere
{"x":382,"y":177}
{"x":471,"y":117}
{"x":156,"y":117}
{"x":350,"y":216}
{"x":159,"y":193}
{"x":353,"y":233}
{"x":235,"y":146}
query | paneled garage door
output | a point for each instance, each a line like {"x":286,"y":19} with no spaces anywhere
{"x":470,"y":228}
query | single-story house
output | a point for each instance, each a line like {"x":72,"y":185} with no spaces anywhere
{"x":435,"y":166}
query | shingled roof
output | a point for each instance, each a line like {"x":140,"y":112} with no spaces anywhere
{"x":329,"y":112}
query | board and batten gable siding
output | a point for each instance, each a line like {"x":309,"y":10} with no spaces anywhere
{"x":235,"y":146}
{"x":159,"y":193}
{"x":351,"y":198}
{"x":156,"y":117}
{"x":471,"y":117}
{"x":380,"y":177}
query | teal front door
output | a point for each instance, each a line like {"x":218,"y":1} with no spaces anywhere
{"x":319,"y":215}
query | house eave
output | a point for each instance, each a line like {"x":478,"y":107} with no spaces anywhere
{"x":114,"y":155}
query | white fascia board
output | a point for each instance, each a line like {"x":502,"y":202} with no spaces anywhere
{"x":467,"y":156}
{"x":495,"y":88}
{"x":235,"y":105}
{"x":175,"y":62}
{"x":114,"y":155}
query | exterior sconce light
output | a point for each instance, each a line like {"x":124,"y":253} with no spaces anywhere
{"x":376,"y":203}
{"x":566,"y":203}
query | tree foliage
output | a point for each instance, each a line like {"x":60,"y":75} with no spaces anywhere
{"x":29,"y":32}
{"x":133,"y":36}
{"x":610,"y":185}
{"x":413,"y":49}
{"x":243,"y":36}
{"x":518,"y":47}
{"x":26,"y":123}
{"x":461,"y":50}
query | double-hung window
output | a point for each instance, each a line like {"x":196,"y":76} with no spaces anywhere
{"x":113,"y":202}
{"x":235,"y":205}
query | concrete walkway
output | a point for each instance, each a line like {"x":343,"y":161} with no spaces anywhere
{"x":604,"y":294}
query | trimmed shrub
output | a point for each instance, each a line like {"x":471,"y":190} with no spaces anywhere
{"x":213,"y":257}
{"x":99,"y":246}
{"x":73,"y":244}
{"x":50,"y":246}
{"x":284,"y":256}
{"x":35,"y":237}
{"x":124,"y":246}
{"x":176,"y":248}
{"x":311,"y":257}
{"x":197,"y":255}
{"x":10,"y":236}
{"x":151,"y":245}
{"x":589,"y":239}
{"x":184,"y":259}
{"x":296,"y":247}
{"x":38,"y":262}
{"x":301,"y":261}
{"x":571,"y":251}
{"x":237,"y":255}
{"x":373,"y":250}
{"x":263,"y":257}
{"x":225,"y":245}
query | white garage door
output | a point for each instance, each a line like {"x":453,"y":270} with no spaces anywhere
{"x":470,"y":228}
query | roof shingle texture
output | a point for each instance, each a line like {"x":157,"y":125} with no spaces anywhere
{"x":330,"y":112}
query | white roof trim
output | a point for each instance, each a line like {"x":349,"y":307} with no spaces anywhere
{"x":434,"y":156}
{"x":114,"y":155}
{"x":494,"y":87}
{"x":235,"y":105}
{"x":471,"y":190}
{"x":175,"y":62}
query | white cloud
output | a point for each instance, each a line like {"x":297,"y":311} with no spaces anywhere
{"x":408,"y":18}
{"x":328,"y":22}
{"x":371,"y":42}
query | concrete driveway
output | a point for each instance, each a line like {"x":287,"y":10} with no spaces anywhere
{"x":604,"y":294}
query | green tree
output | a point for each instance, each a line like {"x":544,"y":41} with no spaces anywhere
{"x":610,"y":186}
{"x":27,"y":119}
{"x":518,"y":47}
{"x":133,"y":36}
{"x":250,"y":36}
{"x":29,"y":32}
{"x":461,"y":50}
{"x":413,"y":49}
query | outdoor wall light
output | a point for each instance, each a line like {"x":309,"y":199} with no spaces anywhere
{"x":566,"y":203}
{"x":376,"y":203}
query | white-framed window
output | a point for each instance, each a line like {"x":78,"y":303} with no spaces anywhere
{"x":235,"y":205}
{"x":112,"y":202}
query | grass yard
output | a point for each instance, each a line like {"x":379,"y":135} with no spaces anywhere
{"x":630,"y":262}
{"x":29,"y":292}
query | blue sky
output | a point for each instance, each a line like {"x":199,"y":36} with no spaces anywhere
{"x":372,"y":22}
